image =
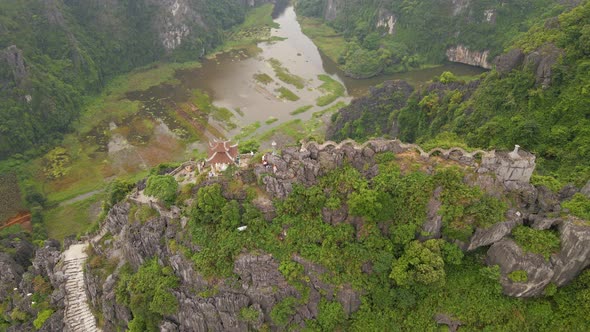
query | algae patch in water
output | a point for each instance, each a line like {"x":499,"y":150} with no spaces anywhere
{"x":332,"y":88}
{"x":287,"y":94}
{"x":285,"y":75}
{"x":301,"y":109}
{"x":263,"y":78}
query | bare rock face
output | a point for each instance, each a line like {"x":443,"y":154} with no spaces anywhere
{"x":510,"y":257}
{"x":175,"y":20}
{"x":506,"y":62}
{"x":332,"y":8}
{"x":13,"y":57}
{"x":516,"y":166}
{"x":452,"y":323}
{"x":575,"y":251}
{"x":563,"y":267}
{"x":543,"y":223}
{"x":392,"y":93}
{"x":117,"y":218}
{"x":462,"y":54}
{"x":493,"y":234}
{"x":586,"y":189}
{"x":387,"y":20}
{"x":459,"y":6}
{"x":261,"y":281}
{"x":142,"y":241}
{"x":431,"y":229}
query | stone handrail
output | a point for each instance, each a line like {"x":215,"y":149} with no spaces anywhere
{"x":397,"y":145}
{"x":182,"y":166}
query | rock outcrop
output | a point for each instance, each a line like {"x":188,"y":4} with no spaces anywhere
{"x":381,"y":100}
{"x":574,"y":255}
{"x":509,"y":61}
{"x":386,"y":20}
{"x":332,"y":9}
{"x":462,"y":54}
{"x":259,"y":284}
{"x":572,"y":258}
{"x":510,"y":257}
{"x":431,"y":229}
{"x":495,"y":233}
{"x":541,"y":62}
{"x":22,"y":271}
{"x":13,"y":58}
{"x":510,"y":168}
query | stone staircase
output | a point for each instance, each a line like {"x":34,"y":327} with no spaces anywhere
{"x":78,"y":316}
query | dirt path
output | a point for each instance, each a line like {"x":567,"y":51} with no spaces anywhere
{"x":78,"y":316}
{"x":80,"y":197}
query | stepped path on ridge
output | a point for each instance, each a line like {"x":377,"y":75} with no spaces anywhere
{"x":78,"y":316}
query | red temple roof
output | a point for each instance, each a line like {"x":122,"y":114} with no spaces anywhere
{"x":222,"y":152}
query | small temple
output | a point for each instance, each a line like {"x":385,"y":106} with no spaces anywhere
{"x":221,"y":155}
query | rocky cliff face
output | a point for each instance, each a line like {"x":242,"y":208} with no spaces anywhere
{"x":259,"y":284}
{"x":29,"y":276}
{"x":217,"y":304}
{"x":12,"y":57}
{"x":386,"y":20}
{"x":462,"y":54}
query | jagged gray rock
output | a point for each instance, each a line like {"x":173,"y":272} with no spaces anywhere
{"x":510,"y":167}
{"x":586,"y":189}
{"x":543,"y":223}
{"x":496,"y":232}
{"x":574,"y":255}
{"x":506,"y":62}
{"x":431,"y":229}
{"x":541,"y":62}
{"x":510,"y":257}
{"x":13,"y":57}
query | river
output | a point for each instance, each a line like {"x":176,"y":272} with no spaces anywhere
{"x":228,"y":78}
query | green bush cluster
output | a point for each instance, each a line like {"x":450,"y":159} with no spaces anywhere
{"x":148,"y":293}
{"x":579,"y":206}
{"x":163,"y":187}
{"x":543,"y":242}
{"x":518,"y":276}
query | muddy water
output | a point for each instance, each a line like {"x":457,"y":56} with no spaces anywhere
{"x":228,"y":78}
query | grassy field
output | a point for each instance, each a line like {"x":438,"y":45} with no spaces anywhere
{"x":74,"y":218}
{"x":247,"y":131}
{"x":90,"y":164}
{"x":255,"y":29}
{"x":330,"y":42}
{"x":332,"y":88}
{"x":10,"y":196}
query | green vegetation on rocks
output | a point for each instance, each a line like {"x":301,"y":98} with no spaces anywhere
{"x":518,"y":276}
{"x":367,"y":38}
{"x":544,"y":115}
{"x":579,"y":206}
{"x":163,"y":187}
{"x":543,"y":242}
{"x":148,"y":294}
